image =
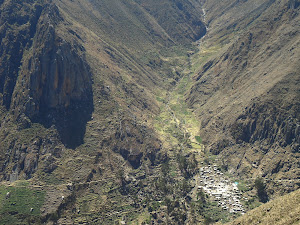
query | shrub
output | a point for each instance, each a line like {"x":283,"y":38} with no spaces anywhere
{"x":261,"y":190}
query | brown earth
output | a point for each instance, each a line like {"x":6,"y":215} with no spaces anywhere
{"x":247,"y":95}
{"x":80,"y":91}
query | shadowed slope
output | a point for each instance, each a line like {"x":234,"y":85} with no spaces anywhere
{"x":247,"y":94}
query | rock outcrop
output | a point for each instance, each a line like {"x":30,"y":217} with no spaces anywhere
{"x":273,"y":118}
{"x":55,"y":84}
{"x":18,"y":23}
{"x":136,"y":144}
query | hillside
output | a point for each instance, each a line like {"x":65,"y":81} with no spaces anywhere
{"x":72,"y":67}
{"x":245,"y":95}
{"x":79,"y":81}
{"x":131,"y":111}
{"x":272,"y":212}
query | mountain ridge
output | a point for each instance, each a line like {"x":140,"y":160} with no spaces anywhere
{"x":247,"y":80}
{"x":110,"y":108}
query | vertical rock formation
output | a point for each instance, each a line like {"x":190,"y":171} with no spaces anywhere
{"x":54,"y":86}
{"x":17,"y":27}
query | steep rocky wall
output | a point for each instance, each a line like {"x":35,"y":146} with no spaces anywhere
{"x":20,"y":158}
{"x":273,"y":117}
{"x":54,"y":86}
{"x":135,"y":143}
{"x":18,"y":22}
{"x":46,"y":73}
{"x":45,"y":79}
{"x":41,"y":74}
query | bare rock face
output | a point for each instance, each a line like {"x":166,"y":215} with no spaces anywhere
{"x":17,"y":27}
{"x":24,"y":157}
{"x":135,"y":144}
{"x":56,"y":82}
{"x":266,"y":123}
{"x":43,"y":78}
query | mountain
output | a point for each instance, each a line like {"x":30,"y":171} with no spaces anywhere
{"x":58,"y":65}
{"x":272,"y":212}
{"x":79,"y":81}
{"x":109,"y":109}
{"x":246,"y":95}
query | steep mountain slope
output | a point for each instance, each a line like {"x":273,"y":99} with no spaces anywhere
{"x":79,"y":81}
{"x":284,"y":210}
{"x":105,"y":106}
{"x":247,"y":94}
{"x":49,"y":80}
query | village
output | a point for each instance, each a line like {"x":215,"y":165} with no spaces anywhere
{"x":226,"y":193}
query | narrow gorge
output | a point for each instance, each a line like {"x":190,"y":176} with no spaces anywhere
{"x":149,"y":112}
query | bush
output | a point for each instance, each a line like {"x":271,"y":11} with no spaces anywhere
{"x":165,"y":168}
{"x":261,"y":190}
{"x":208,"y":220}
{"x":199,"y":139}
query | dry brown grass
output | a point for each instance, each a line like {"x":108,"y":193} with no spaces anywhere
{"x":284,"y":210}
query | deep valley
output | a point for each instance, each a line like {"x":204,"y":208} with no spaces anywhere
{"x":149,"y":112}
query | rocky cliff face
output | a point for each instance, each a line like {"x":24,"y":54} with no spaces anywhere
{"x":274,"y":118}
{"x":45,"y":80}
{"x":136,"y":144}
{"x":54,"y":83}
{"x":46,"y":77}
{"x":59,"y":82}
{"x":82,"y":84}
{"x":17,"y":27}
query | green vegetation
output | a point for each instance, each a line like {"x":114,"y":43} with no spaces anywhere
{"x":199,"y":139}
{"x":261,"y":190}
{"x":146,"y":70}
{"x":208,"y":210}
{"x":243,"y":185}
{"x":15,"y":208}
{"x":188,"y":167}
{"x":159,"y":99}
{"x":252,"y":203}
{"x":216,"y":213}
{"x":282,"y":211}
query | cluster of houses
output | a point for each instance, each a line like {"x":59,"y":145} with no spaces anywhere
{"x":220,"y":189}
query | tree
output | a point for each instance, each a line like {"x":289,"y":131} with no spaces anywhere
{"x":261,"y":190}
{"x":208,"y":220}
{"x":193,"y":164}
{"x":165,"y":168}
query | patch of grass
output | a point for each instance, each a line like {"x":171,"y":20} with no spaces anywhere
{"x":199,"y":139}
{"x":216,"y":213}
{"x":49,"y":178}
{"x":14,"y":209}
{"x":209,"y":158}
{"x":252,"y":203}
{"x":242,"y":185}
{"x":196,"y":146}
{"x":159,"y":99}
{"x":22,"y":183}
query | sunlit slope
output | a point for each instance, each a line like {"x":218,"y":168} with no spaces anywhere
{"x":281,"y":211}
